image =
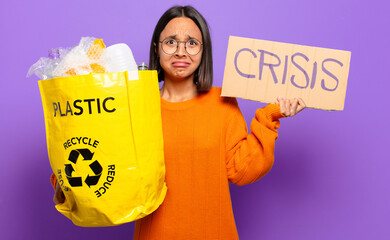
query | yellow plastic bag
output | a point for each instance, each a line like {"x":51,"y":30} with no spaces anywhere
{"x":105,"y":145}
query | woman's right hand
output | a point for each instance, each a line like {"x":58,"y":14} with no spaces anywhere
{"x":59,"y":196}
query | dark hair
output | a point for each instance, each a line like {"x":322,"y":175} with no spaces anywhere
{"x":203,"y":76}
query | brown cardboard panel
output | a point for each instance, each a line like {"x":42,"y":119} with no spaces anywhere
{"x":262,"y":70}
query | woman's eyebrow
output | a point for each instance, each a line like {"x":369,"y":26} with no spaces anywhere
{"x":191,"y":37}
{"x":172,"y":36}
{"x":194,"y":38}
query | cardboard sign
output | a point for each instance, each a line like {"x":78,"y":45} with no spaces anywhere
{"x":263,"y":70}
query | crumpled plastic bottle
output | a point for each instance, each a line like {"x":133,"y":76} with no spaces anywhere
{"x":45,"y":66}
{"x":84,"y":58}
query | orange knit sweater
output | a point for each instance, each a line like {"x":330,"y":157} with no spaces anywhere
{"x":206,"y":145}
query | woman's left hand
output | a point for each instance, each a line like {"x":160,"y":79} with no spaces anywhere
{"x":290,"y":107}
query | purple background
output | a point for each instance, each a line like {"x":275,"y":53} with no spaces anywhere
{"x":331,"y":175}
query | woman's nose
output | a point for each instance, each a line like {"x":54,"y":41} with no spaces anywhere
{"x":181,"y":49}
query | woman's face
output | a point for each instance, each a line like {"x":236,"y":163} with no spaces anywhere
{"x":180,"y":65}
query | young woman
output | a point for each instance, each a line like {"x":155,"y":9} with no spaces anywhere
{"x":206,"y":142}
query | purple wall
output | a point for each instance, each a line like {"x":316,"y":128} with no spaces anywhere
{"x":331,"y":175}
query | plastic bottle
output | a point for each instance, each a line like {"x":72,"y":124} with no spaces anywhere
{"x":142,"y":66}
{"x":38,"y":69}
{"x":54,"y":53}
{"x":45,"y":66}
{"x":54,"y":60}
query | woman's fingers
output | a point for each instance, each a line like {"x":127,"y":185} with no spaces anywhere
{"x":282,"y":106}
{"x":294,"y":106}
{"x":59,"y":196}
{"x":301,"y":105}
{"x":290,"y":107}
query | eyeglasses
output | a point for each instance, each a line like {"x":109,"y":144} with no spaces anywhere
{"x":170,"y":46}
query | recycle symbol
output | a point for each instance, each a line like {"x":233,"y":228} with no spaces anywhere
{"x":95,"y":167}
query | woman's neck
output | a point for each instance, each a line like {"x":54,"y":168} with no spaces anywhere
{"x":178,"y":91}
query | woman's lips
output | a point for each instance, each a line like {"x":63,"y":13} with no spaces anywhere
{"x":180,"y":64}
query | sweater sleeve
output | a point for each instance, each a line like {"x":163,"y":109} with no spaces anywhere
{"x":250,"y":157}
